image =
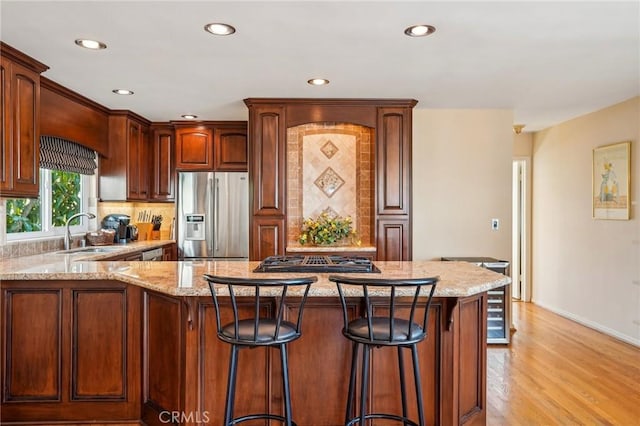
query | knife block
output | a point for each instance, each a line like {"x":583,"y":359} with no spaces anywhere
{"x":144,"y":230}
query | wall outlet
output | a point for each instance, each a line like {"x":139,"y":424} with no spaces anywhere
{"x":495,"y":224}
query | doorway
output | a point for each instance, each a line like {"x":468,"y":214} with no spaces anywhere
{"x":520,"y":264}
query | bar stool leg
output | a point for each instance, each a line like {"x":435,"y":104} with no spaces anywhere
{"x":231,"y":385}
{"x":352,"y":381}
{"x":403,"y":389}
{"x":285,"y":384}
{"x":365,"y":384}
{"x":416,"y":374}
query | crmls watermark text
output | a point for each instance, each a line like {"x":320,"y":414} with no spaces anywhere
{"x":181,"y":417}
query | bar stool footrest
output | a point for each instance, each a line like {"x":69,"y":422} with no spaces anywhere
{"x":260,"y":416}
{"x":405,"y":421}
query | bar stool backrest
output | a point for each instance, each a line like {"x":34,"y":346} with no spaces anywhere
{"x":258,"y":294}
{"x":386,"y":296}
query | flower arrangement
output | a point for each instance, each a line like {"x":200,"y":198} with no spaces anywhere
{"x":326,"y":230}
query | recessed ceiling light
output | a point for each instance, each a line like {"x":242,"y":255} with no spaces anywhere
{"x":219,"y":28}
{"x":90,"y":44}
{"x":189,"y":116}
{"x":318,"y":81}
{"x":122,"y":92}
{"x":419,"y":30}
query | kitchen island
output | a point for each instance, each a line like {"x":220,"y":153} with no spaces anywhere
{"x":125,"y":341}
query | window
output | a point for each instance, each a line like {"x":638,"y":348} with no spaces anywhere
{"x":62,"y":194}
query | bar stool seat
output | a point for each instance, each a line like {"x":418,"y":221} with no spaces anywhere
{"x":259,"y":328}
{"x":385,"y":328}
{"x":265,"y":335}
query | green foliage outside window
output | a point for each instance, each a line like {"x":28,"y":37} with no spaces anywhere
{"x":24,"y":215}
{"x":65,"y":197}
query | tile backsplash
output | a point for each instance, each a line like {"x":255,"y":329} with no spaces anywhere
{"x":166,"y":210}
{"x":13,"y":249}
{"x":30,"y":247}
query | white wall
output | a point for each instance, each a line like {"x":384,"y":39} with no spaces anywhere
{"x":586,"y":269}
{"x":461,"y":180}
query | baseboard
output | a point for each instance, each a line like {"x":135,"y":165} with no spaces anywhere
{"x":594,"y":325}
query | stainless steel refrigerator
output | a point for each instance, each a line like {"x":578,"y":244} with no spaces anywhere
{"x":213,"y":215}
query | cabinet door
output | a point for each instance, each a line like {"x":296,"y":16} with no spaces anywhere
{"x":20,"y":128}
{"x":162,"y":167}
{"x":194,"y":148}
{"x":230,"y":149}
{"x":71,"y":352}
{"x":267,"y":237}
{"x":394,"y":160}
{"x":393,"y":239}
{"x":33,"y":346}
{"x":137,"y":161}
{"x":170,"y":252}
{"x":6,"y":177}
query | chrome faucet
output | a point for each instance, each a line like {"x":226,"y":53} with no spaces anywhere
{"x":67,"y":235}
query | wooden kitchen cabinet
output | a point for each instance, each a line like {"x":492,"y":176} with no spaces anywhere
{"x":170,"y":252}
{"x":393,"y":186}
{"x":212,"y":146}
{"x":70,"y":351}
{"x":267,"y":177}
{"x":163,"y":167}
{"x":391,"y":121}
{"x":20,"y":116}
{"x":230,"y":149}
{"x":125,"y":173}
{"x":194,"y":148}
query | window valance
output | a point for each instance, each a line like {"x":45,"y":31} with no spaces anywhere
{"x":62,"y":154}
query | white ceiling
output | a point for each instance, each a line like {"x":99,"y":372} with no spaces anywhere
{"x":547,"y":61}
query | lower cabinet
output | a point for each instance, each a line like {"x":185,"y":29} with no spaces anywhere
{"x":108,"y":352}
{"x":170,"y":252}
{"x":70,"y":351}
{"x":186,"y":365}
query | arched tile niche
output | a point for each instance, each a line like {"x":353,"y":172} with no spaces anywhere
{"x":331,"y":168}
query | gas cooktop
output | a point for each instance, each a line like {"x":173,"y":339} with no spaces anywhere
{"x":318,"y":264}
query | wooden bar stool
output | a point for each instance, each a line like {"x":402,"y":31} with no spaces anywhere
{"x":270,"y":329}
{"x":385,"y":327}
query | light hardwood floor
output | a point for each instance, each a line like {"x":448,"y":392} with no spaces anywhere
{"x":558,"y":372}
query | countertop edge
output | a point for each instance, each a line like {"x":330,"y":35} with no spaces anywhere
{"x":185,"y":279}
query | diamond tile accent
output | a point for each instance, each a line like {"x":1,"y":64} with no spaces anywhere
{"x":329,"y":211}
{"x":329,"y":182}
{"x":329,"y":149}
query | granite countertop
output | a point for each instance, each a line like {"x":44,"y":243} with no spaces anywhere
{"x":185,"y":278}
{"x":75,"y":254}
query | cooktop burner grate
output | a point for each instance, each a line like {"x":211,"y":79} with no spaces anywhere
{"x":318,"y":264}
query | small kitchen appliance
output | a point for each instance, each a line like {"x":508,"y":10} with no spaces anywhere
{"x":120,"y":223}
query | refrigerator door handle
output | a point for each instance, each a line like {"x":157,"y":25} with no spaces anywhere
{"x":210,"y":196}
{"x":217,"y":216}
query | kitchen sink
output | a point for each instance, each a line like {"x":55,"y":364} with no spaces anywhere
{"x":89,"y":250}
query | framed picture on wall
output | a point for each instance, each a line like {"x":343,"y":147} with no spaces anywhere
{"x":611,"y":177}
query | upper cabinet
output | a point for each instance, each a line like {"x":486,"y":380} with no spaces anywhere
{"x":124,"y":174}
{"x":211,"y":146}
{"x":230,"y":148}
{"x":194,"y":148}
{"x":20,"y":117}
{"x":162,"y":163}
